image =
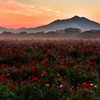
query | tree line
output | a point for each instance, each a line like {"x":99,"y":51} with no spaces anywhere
{"x":66,"y":33}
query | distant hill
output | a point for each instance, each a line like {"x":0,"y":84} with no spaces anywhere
{"x":75,"y":22}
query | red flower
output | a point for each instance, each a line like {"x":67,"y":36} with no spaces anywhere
{"x":24,"y":82}
{"x":78,"y":84}
{"x":43,"y":62}
{"x":90,"y":81}
{"x":91,"y":70}
{"x":29,"y":77}
{"x":88,"y":91}
{"x":34,"y":96}
{"x":61,"y":76}
{"x":54,"y":75}
{"x":62,"y":63}
{"x":49,"y":91}
{"x":44,"y":87}
{"x":52,"y":70}
{"x":43,"y":72}
{"x":88,"y":84}
{"x":31,"y":86}
{"x":84,"y":84}
{"x":32,"y":69}
{"x":59,"y":60}
{"x":48,"y":64}
{"x":40,"y":81}
{"x":30,"y":82}
{"x":25,"y":92}
{"x":11,"y":86}
{"x":2,"y":77}
{"x":78,"y":66}
{"x":80,"y":90}
{"x":17,"y":80}
{"x":54,"y":54}
{"x":16,"y":70}
{"x":38,"y":67}
{"x":72,"y":62}
{"x":35,"y":78}
{"x":95,"y":71}
{"x":65,"y":82}
{"x":0,"y":82}
{"x":65,"y":76}
{"x":24,"y":65}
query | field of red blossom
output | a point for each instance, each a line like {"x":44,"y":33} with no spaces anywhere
{"x":49,"y":70}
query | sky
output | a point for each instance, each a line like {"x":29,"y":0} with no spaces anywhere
{"x":33,"y":13}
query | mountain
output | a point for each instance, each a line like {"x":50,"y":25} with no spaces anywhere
{"x":74,"y":22}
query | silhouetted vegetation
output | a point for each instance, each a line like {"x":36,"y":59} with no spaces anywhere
{"x":66,"y":33}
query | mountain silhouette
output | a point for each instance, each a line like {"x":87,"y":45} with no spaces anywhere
{"x":75,"y":22}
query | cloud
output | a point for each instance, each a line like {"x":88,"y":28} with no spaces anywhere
{"x":9,"y":11}
{"x":12,"y":6}
{"x":47,"y":8}
{"x":20,"y":4}
{"x":18,"y":7}
{"x":14,"y":14}
{"x":58,"y":13}
{"x":37,"y":11}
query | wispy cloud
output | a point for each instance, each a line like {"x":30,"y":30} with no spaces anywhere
{"x":13,"y":6}
{"x":14,"y":14}
{"x":47,"y":8}
{"x":58,"y":13}
{"x":18,"y":7}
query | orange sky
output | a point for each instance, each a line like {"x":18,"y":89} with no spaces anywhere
{"x":32,"y":13}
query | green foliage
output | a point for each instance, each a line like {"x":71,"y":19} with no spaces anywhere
{"x":49,"y":70}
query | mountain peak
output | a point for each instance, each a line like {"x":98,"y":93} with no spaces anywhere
{"x":75,"y":17}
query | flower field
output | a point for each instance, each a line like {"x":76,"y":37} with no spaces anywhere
{"x":49,"y":69}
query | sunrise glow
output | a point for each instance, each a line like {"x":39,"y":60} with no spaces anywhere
{"x":33,"y":13}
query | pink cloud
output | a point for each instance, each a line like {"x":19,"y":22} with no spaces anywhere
{"x":13,"y":6}
{"x":47,"y":8}
{"x":17,"y":14}
{"x":18,"y":7}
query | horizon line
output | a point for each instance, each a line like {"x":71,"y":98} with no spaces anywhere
{"x":49,"y":23}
